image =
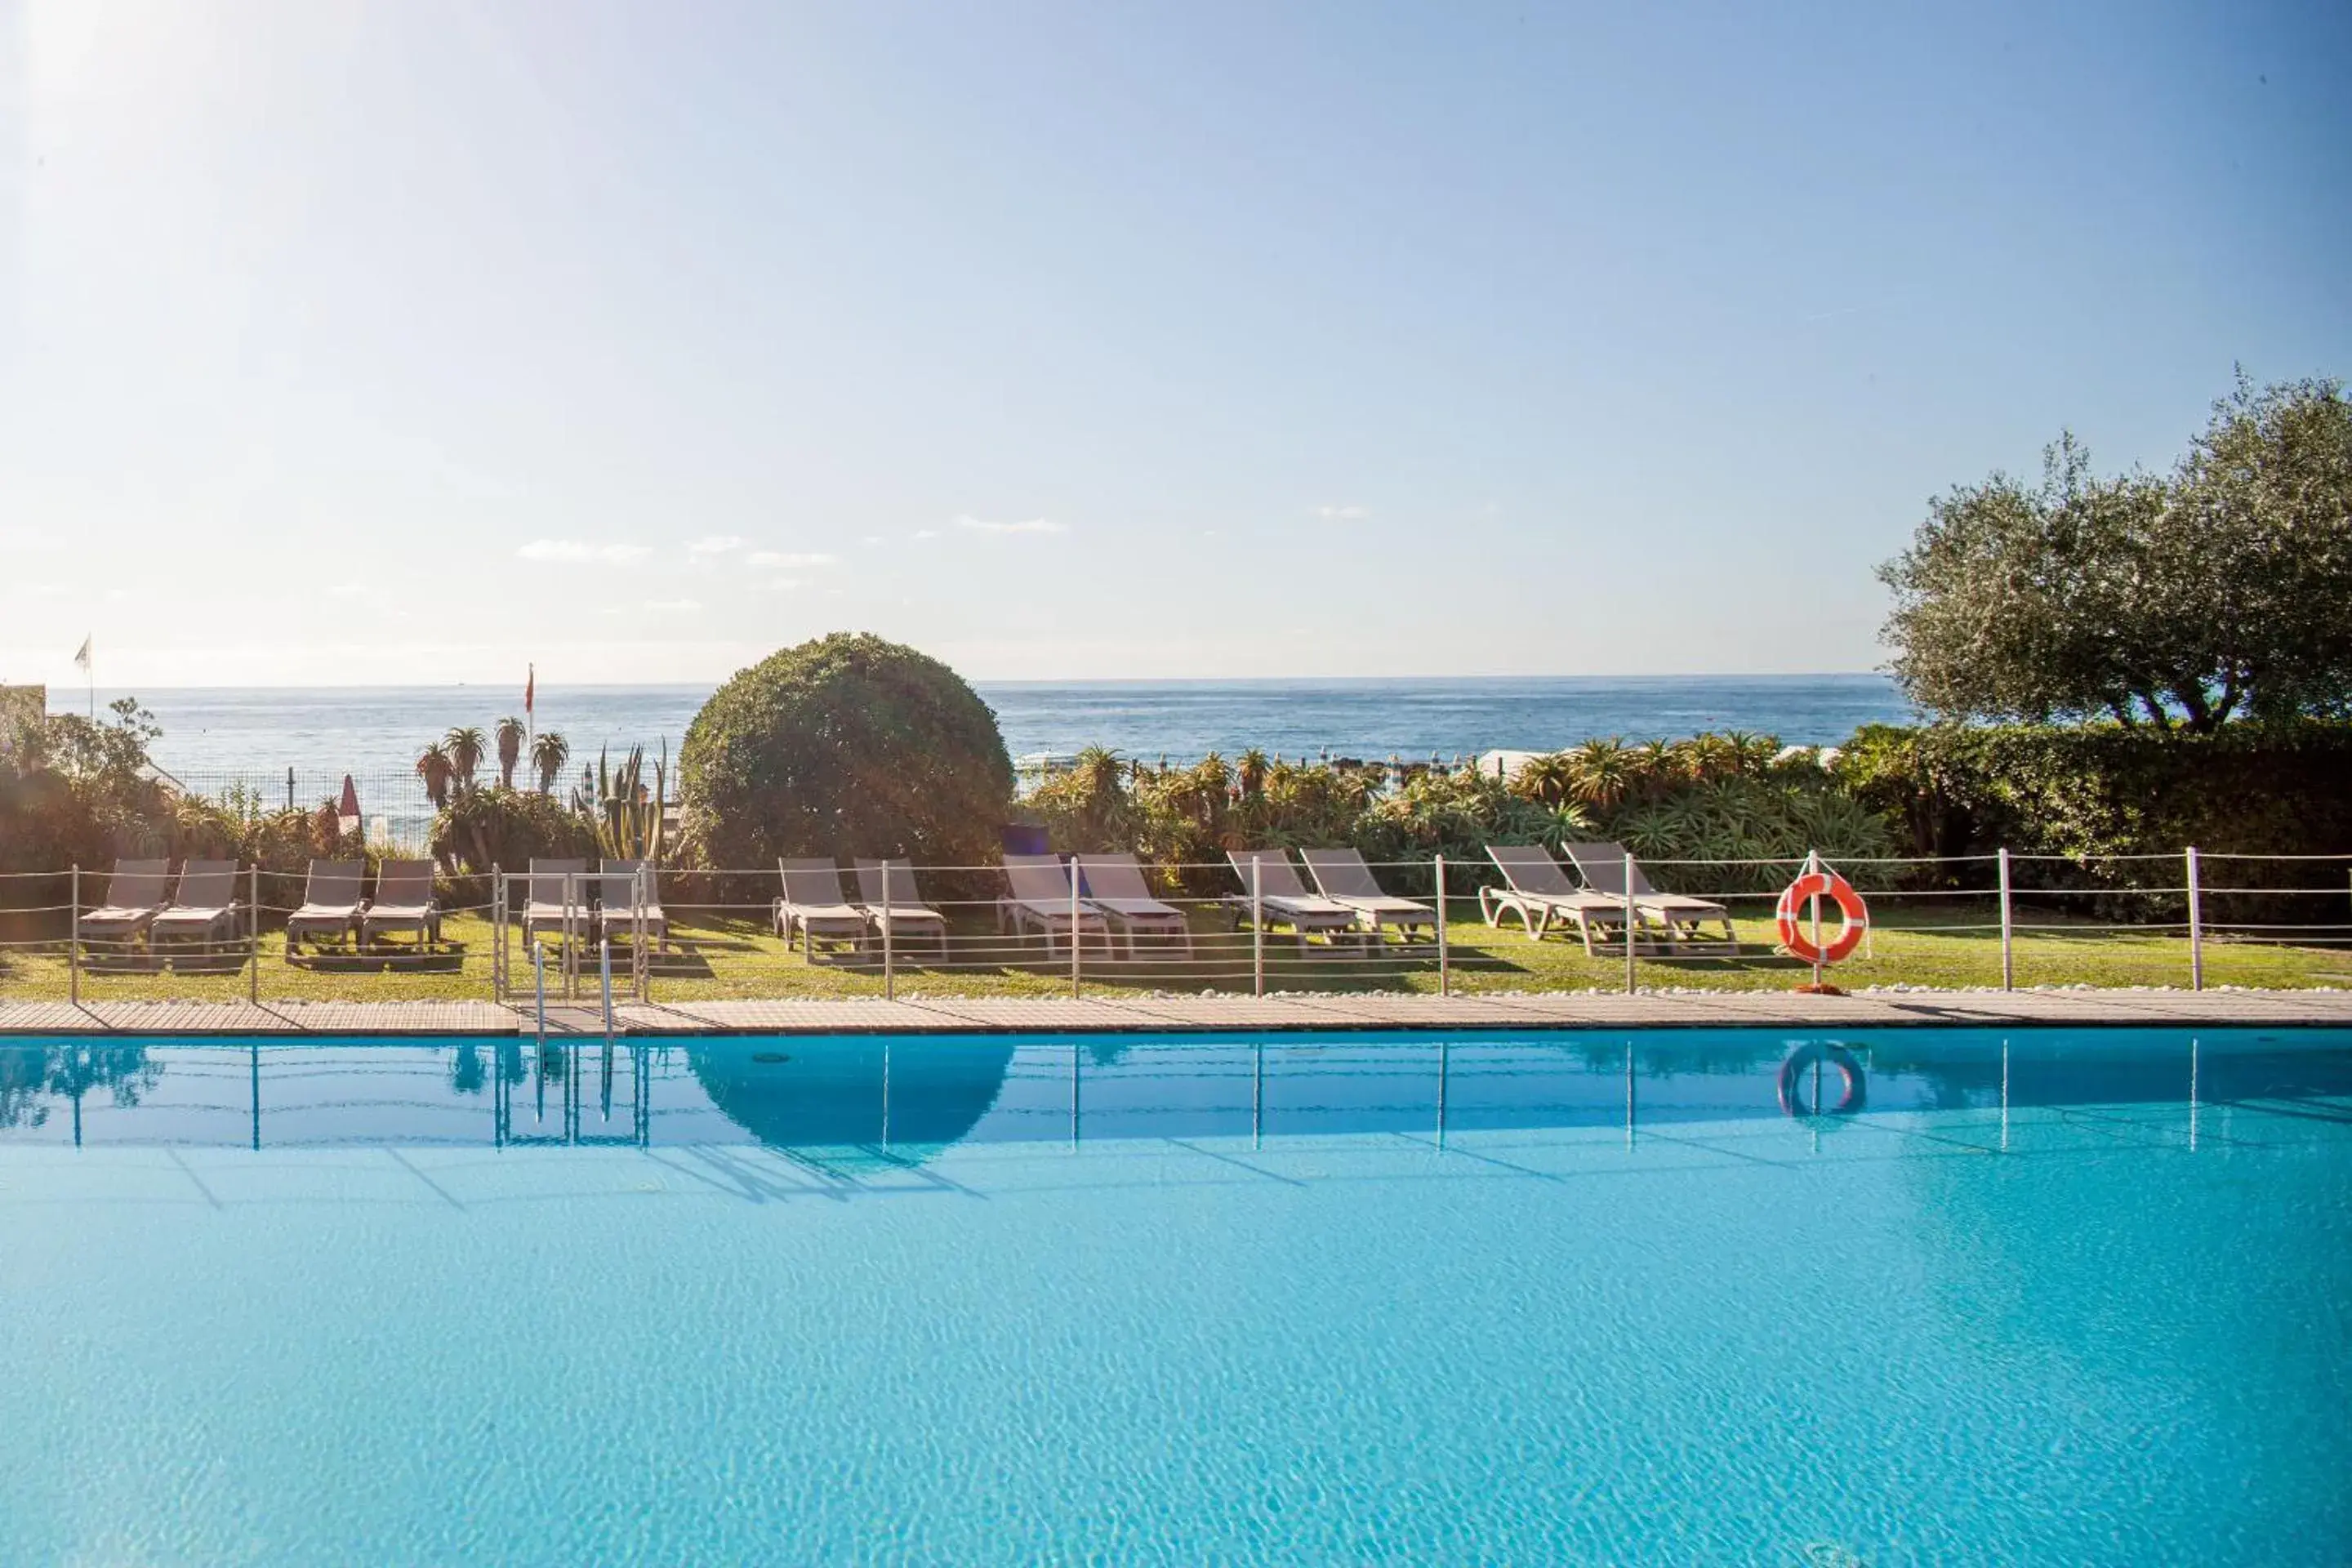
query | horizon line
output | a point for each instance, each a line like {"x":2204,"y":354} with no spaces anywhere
{"x":986,"y":680}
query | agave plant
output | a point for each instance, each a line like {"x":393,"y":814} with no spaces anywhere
{"x":627,"y":815}
{"x":1602,"y":770}
{"x":1249,"y":773}
{"x":548,"y":755}
{"x":434,"y":766}
{"x":1658,"y":768}
{"x":1548,"y":780}
{"x":510,"y":734}
{"x":466,"y":746}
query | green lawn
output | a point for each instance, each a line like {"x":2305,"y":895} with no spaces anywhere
{"x":718,"y":958}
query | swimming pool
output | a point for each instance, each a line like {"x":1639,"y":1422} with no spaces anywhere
{"x":1732,"y":1296}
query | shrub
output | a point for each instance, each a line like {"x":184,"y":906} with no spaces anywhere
{"x":848,"y":745}
{"x":502,"y":827}
{"x":2101,"y":790}
{"x":1713,"y":798}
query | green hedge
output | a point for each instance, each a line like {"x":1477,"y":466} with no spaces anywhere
{"x":2102,"y":790}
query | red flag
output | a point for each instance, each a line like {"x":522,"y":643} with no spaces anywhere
{"x":530,"y":689}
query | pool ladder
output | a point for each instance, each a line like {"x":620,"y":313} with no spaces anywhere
{"x":538,"y":990}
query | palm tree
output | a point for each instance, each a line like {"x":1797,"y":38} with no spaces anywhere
{"x":432,"y":766}
{"x":548,"y":755}
{"x":467,"y":748}
{"x":511,"y":738}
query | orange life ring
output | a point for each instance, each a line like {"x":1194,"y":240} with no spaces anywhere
{"x":1795,"y":936}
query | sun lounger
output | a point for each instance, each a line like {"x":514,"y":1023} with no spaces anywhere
{"x":1114,"y":885}
{"x":1605,"y":867}
{"x":330,"y":904}
{"x":1342,"y":875}
{"x":135,"y":895}
{"x":202,"y":907}
{"x":1283,"y":899}
{"x":618,"y":912}
{"x":1540,"y":893}
{"x":813,"y":907}
{"x":402,"y":902}
{"x":555,"y":898}
{"x":1040,"y":897}
{"x":894,"y":902}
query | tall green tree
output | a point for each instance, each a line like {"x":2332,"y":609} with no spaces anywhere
{"x":2160,"y":601}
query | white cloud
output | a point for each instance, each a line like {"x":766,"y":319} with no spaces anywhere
{"x":715,"y":544}
{"x":1341,"y":513}
{"x":788,"y":559}
{"x":26,"y":540}
{"x":873,"y":539}
{"x":926,"y":533}
{"x":1034,"y":525}
{"x":778,"y":585}
{"x":673,"y":607}
{"x":581,"y":553}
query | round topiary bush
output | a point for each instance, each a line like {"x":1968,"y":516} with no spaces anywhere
{"x":846,"y":746}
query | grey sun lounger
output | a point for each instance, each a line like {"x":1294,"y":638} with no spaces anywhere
{"x":330,"y":904}
{"x":1284,"y":899}
{"x":892,"y":901}
{"x":403,"y":902}
{"x":1604,"y":868}
{"x":1040,"y":897}
{"x":205,"y":902}
{"x":1538,"y":891}
{"x":544,"y":904}
{"x":1114,"y":885}
{"x":618,"y":911}
{"x":812,"y":906}
{"x":135,"y":894}
{"x":1342,"y":875}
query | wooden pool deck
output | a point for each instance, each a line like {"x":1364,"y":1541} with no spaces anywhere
{"x":1162,"y":1014}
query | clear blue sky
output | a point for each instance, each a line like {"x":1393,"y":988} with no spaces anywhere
{"x":416,"y":341}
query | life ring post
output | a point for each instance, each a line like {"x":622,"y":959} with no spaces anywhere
{"x":1797,"y":921}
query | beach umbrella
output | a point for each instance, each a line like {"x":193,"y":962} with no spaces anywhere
{"x":349,"y":808}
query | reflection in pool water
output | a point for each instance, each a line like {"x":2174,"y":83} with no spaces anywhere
{"x":903,"y":1096}
{"x":1920,"y":1296}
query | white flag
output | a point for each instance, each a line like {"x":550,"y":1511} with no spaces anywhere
{"x":82,"y":658}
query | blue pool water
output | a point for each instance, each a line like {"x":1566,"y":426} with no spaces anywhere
{"x":2061,"y":1296}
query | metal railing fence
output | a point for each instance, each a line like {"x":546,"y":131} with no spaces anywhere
{"x":698,"y":932}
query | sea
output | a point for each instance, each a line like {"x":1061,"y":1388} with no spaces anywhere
{"x":257,"y":737}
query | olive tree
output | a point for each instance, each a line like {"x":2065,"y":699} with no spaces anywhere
{"x":2183,"y":601}
{"x":848,"y":745}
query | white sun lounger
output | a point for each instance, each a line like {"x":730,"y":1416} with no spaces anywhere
{"x":617,"y":910}
{"x":545,"y":903}
{"x":1040,"y":897}
{"x":1604,"y":868}
{"x":812,"y":906}
{"x":893,"y":900}
{"x":205,"y":903}
{"x":135,"y":894}
{"x":330,"y":904}
{"x":1342,"y":877}
{"x":1114,"y":885}
{"x":403,"y":902}
{"x":1540,"y":893}
{"x":1284,"y":899}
